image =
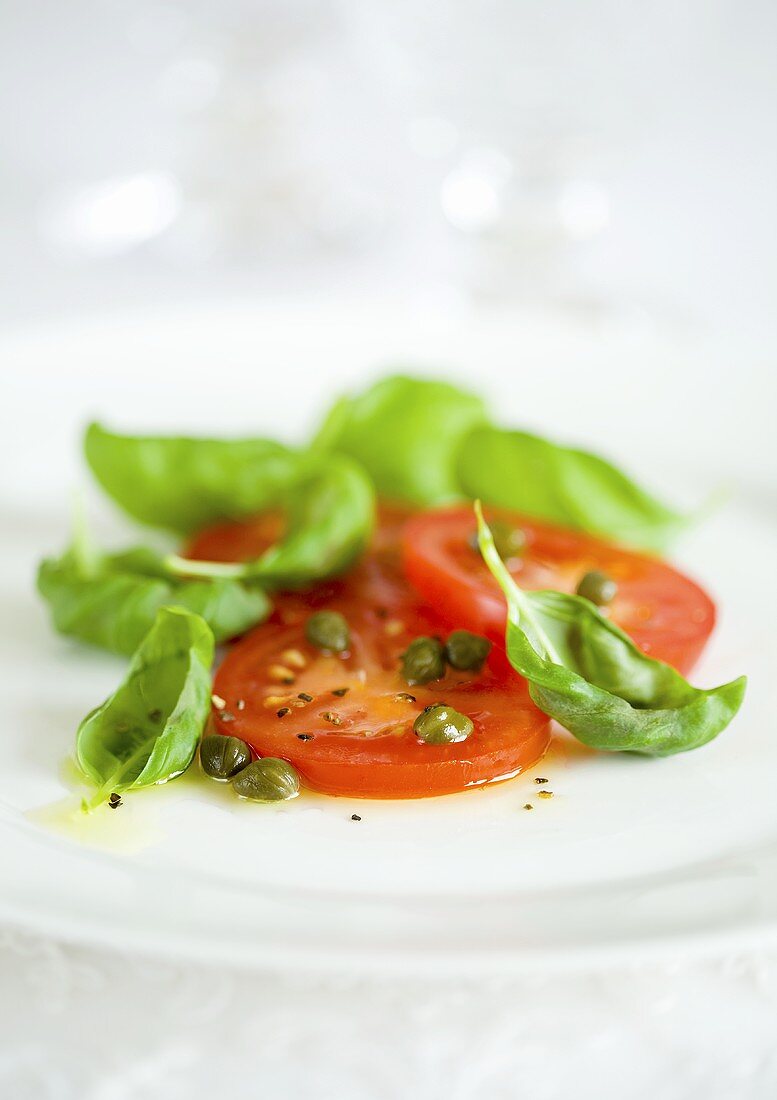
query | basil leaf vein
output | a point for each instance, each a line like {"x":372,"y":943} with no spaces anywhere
{"x":586,"y":673}
{"x":147,"y":731}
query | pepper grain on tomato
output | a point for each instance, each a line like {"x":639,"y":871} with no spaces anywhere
{"x":345,"y":720}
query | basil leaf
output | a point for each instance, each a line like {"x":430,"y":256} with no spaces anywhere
{"x":330,"y":516}
{"x":183,"y":484}
{"x":588,"y":675}
{"x":405,"y":431}
{"x":524,"y":472}
{"x":112,"y":600}
{"x":147,"y":731}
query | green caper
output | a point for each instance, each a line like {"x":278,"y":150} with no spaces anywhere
{"x":267,"y":780}
{"x":222,"y":757}
{"x":442,"y":725}
{"x":328,"y":630}
{"x":597,"y":587}
{"x":423,"y":660}
{"x":465,"y":650}
{"x":510,"y":542}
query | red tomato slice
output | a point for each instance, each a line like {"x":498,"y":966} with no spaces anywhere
{"x":361,"y":742}
{"x":236,"y":540}
{"x":667,"y":614}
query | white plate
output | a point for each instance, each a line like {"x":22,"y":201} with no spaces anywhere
{"x":629,"y":856}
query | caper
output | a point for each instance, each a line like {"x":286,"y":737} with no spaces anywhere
{"x":465,"y":650}
{"x":423,"y":660}
{"x":328,"y":630}
{"x":222,"y":757}
{"x":510,"y":542}
{"x":441,"y":725}
{"x":267,"y":780}
{"x":597,"y":587}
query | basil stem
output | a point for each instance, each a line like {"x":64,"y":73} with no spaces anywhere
{"x":586,"y":673}
{"x":111,"y":600}
{"x":330,"y":514}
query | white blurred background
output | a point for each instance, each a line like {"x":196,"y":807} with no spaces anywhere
{"x":596,"y":158}
{"x":571,"y":204}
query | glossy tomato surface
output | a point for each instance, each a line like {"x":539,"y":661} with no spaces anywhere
{"x":346,"y":720}
{"x":668,"y":615}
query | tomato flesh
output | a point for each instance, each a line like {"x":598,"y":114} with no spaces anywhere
{"x":236,"y":540}
{"x":668,"y":615}
{"x":360,"y":741}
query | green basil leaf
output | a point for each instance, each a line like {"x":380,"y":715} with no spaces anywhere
{"x":330,"y":513}
{"x":524,"y":472}
{"x":113,"y":600}
{"x":183,"y":484}
{"x":588,"y":675}
{"x":147,"y":731}
{"x":405,"y":431}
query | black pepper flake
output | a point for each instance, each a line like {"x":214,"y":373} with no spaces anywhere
{"x":305,"y":736}
{"x":114,"y":800}
{"x":227,"y":716}
{"x":155,"y":715}
{"x":405,"y":697}
{"x":381,"y":612}
{"x":282,"y":712}
{"x":540,"y":779}
{"x":340,"y":692}
{"x":355,"y":817}
{"x":528,"y":806}
{"x":303,"y":695}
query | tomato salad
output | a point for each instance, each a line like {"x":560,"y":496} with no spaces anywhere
{"x":374,"y":649}
{"x":345,"y":720}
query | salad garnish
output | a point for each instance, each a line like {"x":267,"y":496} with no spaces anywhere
{"x":223,"y":757}
{"x":586,"y":673}
{"x":466,"y":651}
{"x":405,"y":432}
{"x":267,"y":780}
{"x":148,"y":730}
{"x":328,"y":631}
{"x":329,"y":516}
{"x":182,"y":484}
{"x":563,"y":485}
{"x":338,"y":611}
{"x":597,"y":587}
{"x":112,"y":602}
{"x":439,"y":724}
{"x":423,"y":661}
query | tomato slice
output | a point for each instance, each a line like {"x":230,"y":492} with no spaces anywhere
{"x":236,"y":540}
{"x":668,"y":615}
{"x":345,"y":721}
